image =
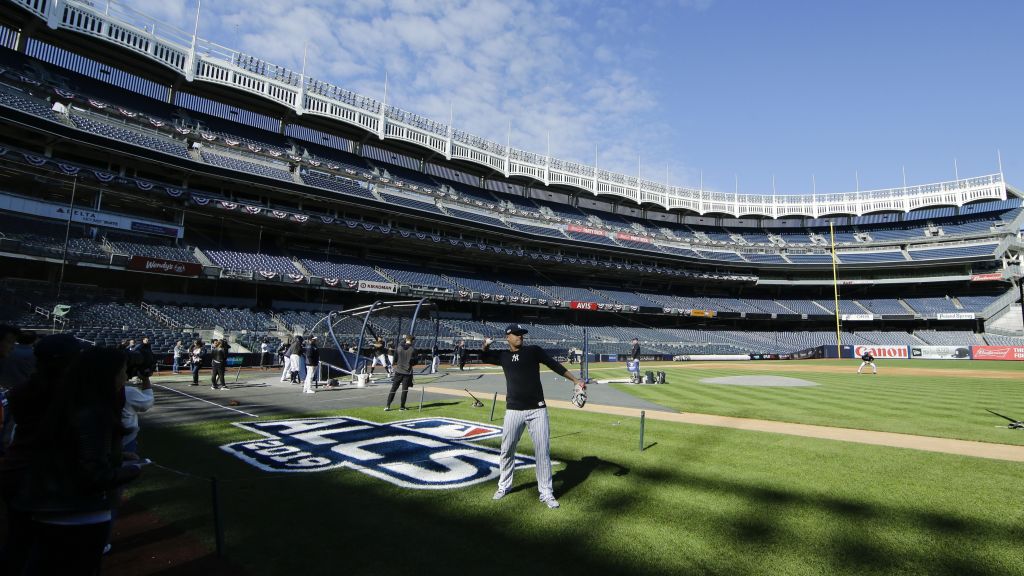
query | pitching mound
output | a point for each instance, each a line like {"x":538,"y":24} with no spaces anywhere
{"x":767,"y":381}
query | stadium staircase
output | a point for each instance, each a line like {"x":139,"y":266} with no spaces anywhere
{"x":907,"y":307}
{"x":203,"y":258}
{"x":298,"y":264}
{"x":296,"y":178}
{"x":194,"y":154}
{"x":159,"y":316}
{"x":1008,"y":322}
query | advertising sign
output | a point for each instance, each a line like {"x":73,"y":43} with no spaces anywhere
{"x":632,"y":238}
{"x":857,"y":316}
{"x":585,"y":230}
{"x":879,"y":351}
{"x":703,"y":313}
{"x":381,"y":287}
{"x":990,"y":277}
{"x":955,"y":315}
{"x":576,"y":305}
{"x":997,"y":352}
{"x":940,"y":352}
{"x":161,"y":266}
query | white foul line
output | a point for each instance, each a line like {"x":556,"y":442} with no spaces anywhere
{"x":204,"y":400}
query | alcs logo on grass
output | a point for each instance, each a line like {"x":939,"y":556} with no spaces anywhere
{"x":423,"y":453}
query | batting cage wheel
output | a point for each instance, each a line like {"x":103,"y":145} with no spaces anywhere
{"x":358,"y":328}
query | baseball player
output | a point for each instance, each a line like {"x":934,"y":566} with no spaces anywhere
{"x":868,"y":359}
{"x":380,"y":356}
{"x":525,"y":407}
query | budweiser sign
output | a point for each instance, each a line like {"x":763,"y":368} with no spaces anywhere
{"x":161,"y":266}
{"x":990,"y":277}
{"x":585,"y":230}
{"x":997,"y":352}
{"x":583,"y":305}
{"x":882,"y":351}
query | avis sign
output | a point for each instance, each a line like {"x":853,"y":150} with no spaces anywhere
{"x":882,"y":351}
{"x":422,"y":453}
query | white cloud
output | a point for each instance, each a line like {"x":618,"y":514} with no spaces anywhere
{"x":527,"y":62}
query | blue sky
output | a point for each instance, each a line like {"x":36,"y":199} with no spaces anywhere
{"x":727,"y":89}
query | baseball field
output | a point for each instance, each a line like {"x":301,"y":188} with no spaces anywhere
{"x":697,"y":499}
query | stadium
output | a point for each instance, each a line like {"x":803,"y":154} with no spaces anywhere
{"x":157,"y":184}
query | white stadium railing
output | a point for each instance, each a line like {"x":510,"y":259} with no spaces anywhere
{"x":200,"y":60}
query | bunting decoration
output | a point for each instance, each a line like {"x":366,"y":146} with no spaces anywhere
{"x":35,"y":160}
{"x":268,"y":275}
{"x":68,"y":169}
{"x":254,"y":210}
{"x":143,"y":185}
{"x":296,"y":278}
{"x":332,"y":282}
{"x":173,"y":192}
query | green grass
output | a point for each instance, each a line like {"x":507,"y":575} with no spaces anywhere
{"x":698,"y":500}
{"x":950,"y":404}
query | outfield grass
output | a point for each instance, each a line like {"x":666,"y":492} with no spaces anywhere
{"x":699,"y":500}
{"x":949,"y":402}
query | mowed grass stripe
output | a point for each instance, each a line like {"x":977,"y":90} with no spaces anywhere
{"x":894,"y":401}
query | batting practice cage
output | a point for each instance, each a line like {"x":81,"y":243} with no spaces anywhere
{"x":347,"y":337}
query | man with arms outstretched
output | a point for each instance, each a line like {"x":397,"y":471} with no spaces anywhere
{"x":525,"y":407}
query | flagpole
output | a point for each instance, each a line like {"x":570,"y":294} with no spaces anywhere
{"x":835,"y":289}
{"x":67,"y":239}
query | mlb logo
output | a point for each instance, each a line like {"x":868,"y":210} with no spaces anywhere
{"x":422,"y":453}
{"x":451,"y":429}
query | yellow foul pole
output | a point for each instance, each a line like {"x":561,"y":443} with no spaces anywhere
{"x":835,"y":289}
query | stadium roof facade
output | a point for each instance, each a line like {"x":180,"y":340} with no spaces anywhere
{"x":194,"y":59}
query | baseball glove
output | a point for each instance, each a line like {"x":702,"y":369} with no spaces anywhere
{"x":579,"y":396}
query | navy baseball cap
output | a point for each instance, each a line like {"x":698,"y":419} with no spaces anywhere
{"x":58,"y":346}
{"x":516,"y":329}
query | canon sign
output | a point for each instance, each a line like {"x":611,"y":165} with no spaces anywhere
{"x":882,"y":351}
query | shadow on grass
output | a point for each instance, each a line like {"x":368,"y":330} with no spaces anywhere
{"x":345,"y":521}
{"x":440,"y":404}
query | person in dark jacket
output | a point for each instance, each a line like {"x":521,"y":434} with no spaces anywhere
{"x":218,"y":362}
{"x":77,"y":467}
{"x":294,"y":355}
{"x":312,"y":353}
{"x":27,"y":406}
{"x":459,"y":354}
{"x":404,"y":361}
